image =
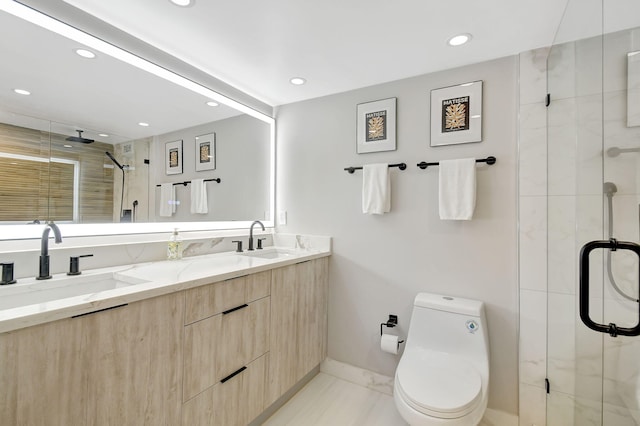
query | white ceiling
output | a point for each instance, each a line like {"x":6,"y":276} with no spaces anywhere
{"x":337,"y":45}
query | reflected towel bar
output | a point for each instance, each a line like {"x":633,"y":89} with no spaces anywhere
{"x":401,"y":166}
{"x":489,"y":160}
{"x":187,"y":182}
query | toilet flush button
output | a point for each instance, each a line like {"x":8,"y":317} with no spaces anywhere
{"x":472,"y":326}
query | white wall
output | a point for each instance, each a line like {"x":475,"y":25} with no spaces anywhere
{"x":381,"y":262}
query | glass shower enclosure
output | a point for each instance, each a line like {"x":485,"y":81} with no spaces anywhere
{"x":593,"y":209}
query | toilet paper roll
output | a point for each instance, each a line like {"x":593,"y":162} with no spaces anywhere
{"x":389,"y":343}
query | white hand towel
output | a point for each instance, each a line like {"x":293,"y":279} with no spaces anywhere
{"x":167,"y":200}
{"x":376,"y":189}
{"x":457,"y":190}
{"x":199,"y":197}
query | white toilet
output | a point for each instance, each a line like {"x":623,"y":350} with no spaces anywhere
{"x":443,"y":375}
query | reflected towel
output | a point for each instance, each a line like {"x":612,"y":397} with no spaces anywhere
{"x":199,"y":197}
{"x":376,"y":189}
{"x":457,"y":189}
{"x":167,"y":199}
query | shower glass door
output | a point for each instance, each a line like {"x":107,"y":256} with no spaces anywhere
{"x":593,"y":194}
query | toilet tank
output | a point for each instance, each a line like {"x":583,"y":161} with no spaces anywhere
{"x":449,"y":324}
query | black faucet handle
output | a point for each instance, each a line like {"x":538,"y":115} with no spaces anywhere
{"x":260,"y":240}
{"x":7,"y":273}
{"x":74,"y":264}
{"x":239,"y":247}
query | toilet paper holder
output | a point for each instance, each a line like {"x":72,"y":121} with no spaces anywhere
{"x":391,"y":322}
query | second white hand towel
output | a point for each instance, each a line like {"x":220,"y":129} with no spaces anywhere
{"x":167,"y":199}
{"x":376,"y":189}
{"x":457,"y":189}
{"x":199,"y":197}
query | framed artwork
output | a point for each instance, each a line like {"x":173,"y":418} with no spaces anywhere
{"x":205,"y":152}
{"x":173,"y":157}
{"x":376,"y":126}
{"x":456,"y":114}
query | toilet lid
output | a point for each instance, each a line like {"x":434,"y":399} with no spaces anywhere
{"x":439,"y":384}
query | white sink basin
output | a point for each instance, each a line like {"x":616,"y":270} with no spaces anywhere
{"x":34,"y":292}
{"x":270,"y":253}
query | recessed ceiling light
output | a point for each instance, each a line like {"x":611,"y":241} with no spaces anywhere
{"x":459,"y":40}
{"x":86,"y":53}
{"x":104,"y":135}
{"x":298,"y":81}
{"x":143,"y":124}
{"x":22,"y":92}
{"x":182,"y":3}
{"x":212,"y":104}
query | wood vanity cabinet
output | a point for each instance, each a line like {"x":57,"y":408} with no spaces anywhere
{"x":132,"y":357}
{"x":299,"y":295}
{"x":41,"y":376}
{"x":119,"y":366}
{"x":217,"y":354}
{"x":237,"y":401}
{"x":225,"y":351}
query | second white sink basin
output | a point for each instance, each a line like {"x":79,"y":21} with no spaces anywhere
{"x":35,"y":292}
{"x":270,"y":253}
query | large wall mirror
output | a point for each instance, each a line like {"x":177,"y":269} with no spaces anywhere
{"x":76,"y":148}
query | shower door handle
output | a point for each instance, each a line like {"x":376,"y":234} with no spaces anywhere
{"x":610,"y":328}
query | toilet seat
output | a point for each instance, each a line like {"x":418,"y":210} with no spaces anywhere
{"x":438,"y":384}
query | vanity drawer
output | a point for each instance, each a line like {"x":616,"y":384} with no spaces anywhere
{"x":205,"y":301}
{"x":237,"y":401}
{"x":217,"y":346}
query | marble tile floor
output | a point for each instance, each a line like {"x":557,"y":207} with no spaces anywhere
{"x":330,"y":401}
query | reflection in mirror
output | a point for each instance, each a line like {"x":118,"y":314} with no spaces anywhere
{"x":633,"y":89}
{"x":24,"y":172}
{"x":65,"y":180}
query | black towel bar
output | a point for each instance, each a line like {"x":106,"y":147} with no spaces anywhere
{"x":187,"y":182}
{"x":401,"y":166}
{"x":489,"y":160}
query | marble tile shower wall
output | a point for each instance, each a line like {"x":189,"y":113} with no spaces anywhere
{"x":562,"y":167}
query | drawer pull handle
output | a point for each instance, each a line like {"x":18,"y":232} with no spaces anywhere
{"x":99,"y":310}
{"x":232,"y":375}
{"x":237,"y":308}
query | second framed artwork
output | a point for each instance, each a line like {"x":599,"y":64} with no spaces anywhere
{"x":456,"y":114}
{"x":376,"y":129}
{"x":205,"y":149}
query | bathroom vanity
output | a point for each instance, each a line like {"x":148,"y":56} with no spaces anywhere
{"x":194,"y":345}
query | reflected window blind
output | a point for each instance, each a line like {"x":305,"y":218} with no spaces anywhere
{"x":23,"y":188}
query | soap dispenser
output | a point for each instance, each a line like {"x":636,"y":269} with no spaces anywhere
{"x":174,"y":247}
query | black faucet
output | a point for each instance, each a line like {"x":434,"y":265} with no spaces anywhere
{"x":43,"y":273}
{"x":251,"y":233}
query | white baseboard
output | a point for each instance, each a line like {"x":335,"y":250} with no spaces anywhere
{"x":359,"y":376}
{"x":384,"y":384}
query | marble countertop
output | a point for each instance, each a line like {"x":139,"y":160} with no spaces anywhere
{"x":145,"y":280}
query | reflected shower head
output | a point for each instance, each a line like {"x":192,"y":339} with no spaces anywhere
{"x":79,"y":138}
{"x":609,"y":188}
